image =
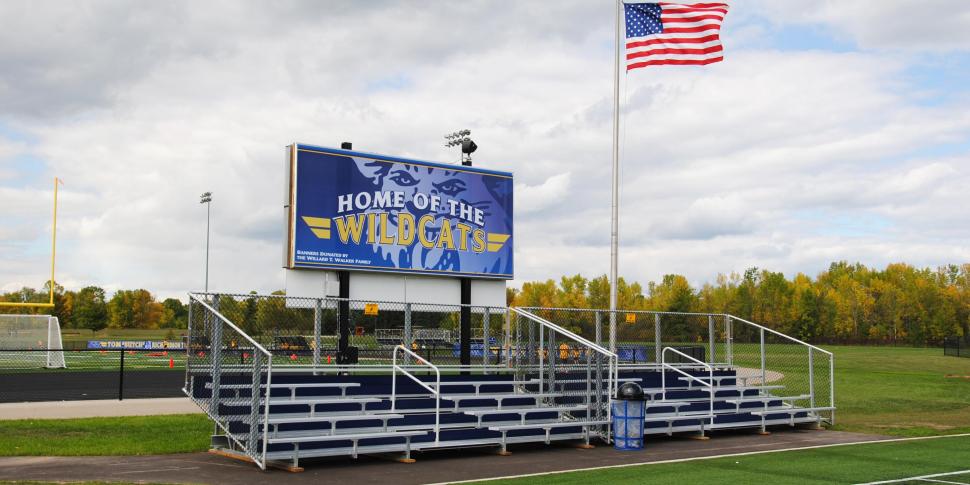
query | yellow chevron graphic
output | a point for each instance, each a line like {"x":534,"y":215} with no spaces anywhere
{"x":496,"y":241}
{"x":319,"y":225}
{"x":317,"y":222}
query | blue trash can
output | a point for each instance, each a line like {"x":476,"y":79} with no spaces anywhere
{"x":628,"y":414}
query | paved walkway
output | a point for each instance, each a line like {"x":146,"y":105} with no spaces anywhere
{"x":431,"y":467}
{"x":97,"y":408}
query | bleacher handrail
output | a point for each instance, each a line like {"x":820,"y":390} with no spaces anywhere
{"x":612,"y":358}
{"x":663,"y":375}
{"x":261,"y":460}
{"x":775,"y":332}
{"x":195,"y":296}
{"x":436,"y":391}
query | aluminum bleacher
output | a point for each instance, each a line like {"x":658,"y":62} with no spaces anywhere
{"x":542,"y":383}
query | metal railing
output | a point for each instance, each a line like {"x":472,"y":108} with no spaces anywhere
{"x":556,"y":354}
{"x":436,"y":391}
{"x":778,"y":359}
{"x":217,"y":351}
{"x":663,"y":377}
{"x":956,"y":347}
{"x":755,"y":352}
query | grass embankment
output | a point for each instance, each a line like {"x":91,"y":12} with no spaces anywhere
{"x":838,"y":464}
{"x":895,"y":391}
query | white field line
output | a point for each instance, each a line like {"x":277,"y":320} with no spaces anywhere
{"x":927,"y":478}
{"x":728,"y":455}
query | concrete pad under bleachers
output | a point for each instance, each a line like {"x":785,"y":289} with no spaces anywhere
{"x":97,"y":408}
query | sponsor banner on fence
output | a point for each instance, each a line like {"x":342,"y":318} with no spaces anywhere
{"x":350,"y":210}
{"x":135,"y":345}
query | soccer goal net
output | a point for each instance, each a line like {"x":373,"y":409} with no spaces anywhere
{"x":31,"y":341}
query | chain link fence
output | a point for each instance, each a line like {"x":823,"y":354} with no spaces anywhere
{"x":90,"y":374}
{"x":640,"y":336}
{"x":305,"y":331}
{"x":566,"y":369}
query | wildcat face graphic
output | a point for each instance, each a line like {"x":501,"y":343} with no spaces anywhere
{"x":458,"y":193}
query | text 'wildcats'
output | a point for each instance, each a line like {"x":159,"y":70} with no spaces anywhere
{"x":429,"y":231}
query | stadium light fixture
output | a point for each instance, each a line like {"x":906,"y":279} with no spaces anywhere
{"x":461,"y":138}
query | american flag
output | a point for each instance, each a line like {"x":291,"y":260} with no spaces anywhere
{"x":673,"y":33}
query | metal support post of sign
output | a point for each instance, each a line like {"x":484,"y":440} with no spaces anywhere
{"x":343,"y":317}
{"x":121,"y":375}
{"x":317,"y":330}
{"x":465,"y":320}
{"x":657,"y":341}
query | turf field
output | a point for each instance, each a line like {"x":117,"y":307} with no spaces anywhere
{"x":859,"y":463}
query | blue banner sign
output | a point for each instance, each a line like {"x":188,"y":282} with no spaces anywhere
{"x":135,"y":345}
{"x":357,"y":211}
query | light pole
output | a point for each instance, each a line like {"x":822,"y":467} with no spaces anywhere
{"x":206,"y":198}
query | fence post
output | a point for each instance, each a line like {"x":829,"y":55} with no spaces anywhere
{"x":729,"y":339}
{"x":254,"y":409}
{"x":613,"y":331}
{"x":832,"y":386}
{"x":710,"y":337}
{"x":551,"y":361}
{"x":542,"y":349}
{"x":485,"y":347}
{"x":121,"y":376}
{"x":188,"y":349}
{"x":763,"y":356}
{"x":657,"y":341}
{"x":408,"y":338}
{"x":215,"y":350}
{"x":811,"y":376}
{"x":317,"y":329}
{"x":599,"y":366}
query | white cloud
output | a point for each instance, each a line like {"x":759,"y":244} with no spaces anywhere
{"x":534,"y":198}
{"x":785,"y":160}
{"x":932,"y":25}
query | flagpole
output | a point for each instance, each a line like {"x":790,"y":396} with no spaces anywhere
{"x":615,"y":209}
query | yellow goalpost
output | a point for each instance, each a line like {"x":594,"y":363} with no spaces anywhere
{"x":50,"y":303}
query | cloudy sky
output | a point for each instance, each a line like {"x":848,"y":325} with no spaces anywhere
{"x":833,"y":130}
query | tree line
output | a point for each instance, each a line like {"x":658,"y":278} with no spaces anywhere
{"x":90,"y":308}
{"x":848,"y":303}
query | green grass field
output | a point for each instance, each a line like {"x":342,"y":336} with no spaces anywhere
{"x":894,"y":391}
{"x":135,"y":435}
{"x":901,"y":391}
{"x":838,"y":464}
